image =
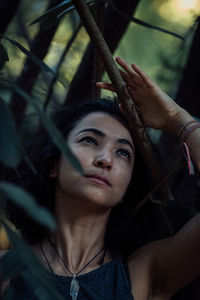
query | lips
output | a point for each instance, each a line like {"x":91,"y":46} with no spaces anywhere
{"x":98,"y":179}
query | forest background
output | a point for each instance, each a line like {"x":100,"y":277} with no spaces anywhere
{"x":42,"y":64}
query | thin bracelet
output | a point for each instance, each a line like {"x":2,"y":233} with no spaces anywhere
{"x":189,"y":131}
{"x":183,"y":129}
{"x":183,"y":135}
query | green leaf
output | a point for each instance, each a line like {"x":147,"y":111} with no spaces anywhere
{"x":29,"y":267}
{"x":55,"y":134}
{"x":34,"y":58}
{"x":21,"y":254}
{"x":10,"y":264}
{"x":3,"y":55}
{"x":9,"y":293}
{"x":27,"y":202}
{"x":9,"y":145}
{"x":28,"y":161}
{"x":51,"y":16}
{"x":43,"y":288}
{"x":145,"y":24}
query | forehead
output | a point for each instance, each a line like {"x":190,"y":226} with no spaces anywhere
{"x":105,"y":123}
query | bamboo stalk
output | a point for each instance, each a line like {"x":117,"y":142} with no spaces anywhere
{"x":129,"y":109}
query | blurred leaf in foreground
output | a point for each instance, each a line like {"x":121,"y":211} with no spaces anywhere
{"x":26,"y":201}
{"x":21,"y":262}
{"x":50,"y":127}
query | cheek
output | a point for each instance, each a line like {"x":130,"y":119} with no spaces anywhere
{"x":84,"y":156}
{"x":124,"y":178}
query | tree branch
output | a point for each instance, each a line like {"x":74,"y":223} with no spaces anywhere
{"x":135,"y":123}
{"x":82,"y":83}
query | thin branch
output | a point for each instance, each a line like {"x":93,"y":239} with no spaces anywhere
{"x":97,"y":67}
{"x":156,"y":188}
{"x":123,"y":94}
{"x":82,"y":81}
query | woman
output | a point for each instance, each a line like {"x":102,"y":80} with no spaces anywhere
{"x":87,"y":266}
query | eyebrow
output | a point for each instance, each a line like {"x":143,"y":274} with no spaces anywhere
{"x":102,"y":134}
{"x":125,"y":142}
{"x":96,"y":131}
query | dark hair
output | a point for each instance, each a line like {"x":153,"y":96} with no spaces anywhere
{"x":43,"y":153}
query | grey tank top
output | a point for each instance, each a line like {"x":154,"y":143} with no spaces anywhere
{"x":109,"y":282}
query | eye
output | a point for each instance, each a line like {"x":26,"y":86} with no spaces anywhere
{"x":125,"y":153}
{"x":89,"y":139}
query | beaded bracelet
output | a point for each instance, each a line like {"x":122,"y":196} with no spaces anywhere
{"x":183,"y":135}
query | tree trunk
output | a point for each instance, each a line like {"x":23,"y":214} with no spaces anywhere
{"x":114,"y":27}
{"x":30,"y":70}
{"x":8,"y":9}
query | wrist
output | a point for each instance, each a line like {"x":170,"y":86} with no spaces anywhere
{"x":180,"y":119}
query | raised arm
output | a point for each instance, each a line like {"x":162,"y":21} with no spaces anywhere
{"x":157,"y":109}
{"x":171,"y":263}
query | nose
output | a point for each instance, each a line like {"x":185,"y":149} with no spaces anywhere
{"x":103,"y":161}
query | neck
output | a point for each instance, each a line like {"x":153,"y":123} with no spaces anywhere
{"x":80,"y":232}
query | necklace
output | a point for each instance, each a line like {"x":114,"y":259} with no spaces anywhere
{"x":74,"y":286}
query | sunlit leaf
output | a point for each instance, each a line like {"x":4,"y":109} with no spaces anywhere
{"x":55,"y":134}
{"x":51,"y":16}
{"x":35,"y":59}
{"x":27,"y":202}
{"x":3,"y":55}
{"x":9,"y":146}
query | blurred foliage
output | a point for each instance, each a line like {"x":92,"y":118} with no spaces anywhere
{"x":151,"y":51}
{"x":161,"y":55}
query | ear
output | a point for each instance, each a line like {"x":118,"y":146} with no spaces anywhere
{"x":53,"y":172}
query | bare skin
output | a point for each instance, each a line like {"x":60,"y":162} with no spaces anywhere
{"x":163,"y":267}
{"x":158,"y":110}
{"x":83,"y":204}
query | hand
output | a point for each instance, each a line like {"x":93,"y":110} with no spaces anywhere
{"x":157,"y":109}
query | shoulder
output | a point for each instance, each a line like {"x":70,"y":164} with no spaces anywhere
{"x":167,"y":265}
{"x":141,"y":265}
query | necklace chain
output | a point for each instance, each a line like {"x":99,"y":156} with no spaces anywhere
{"x":43,"y":253}
{"x":58,"y":254}
{"x":74,"y":286}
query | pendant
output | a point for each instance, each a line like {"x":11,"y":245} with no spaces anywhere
{"x":74,"y":288}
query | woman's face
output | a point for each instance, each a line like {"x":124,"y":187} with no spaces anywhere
{"x":105,"y":150}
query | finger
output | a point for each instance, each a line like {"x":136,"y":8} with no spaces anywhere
{"x":124,"y":64}
{"x":142,"y":74}
{"x":106,"y":86}
{"x":128,"y":80}
{"x":131,"y":72}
